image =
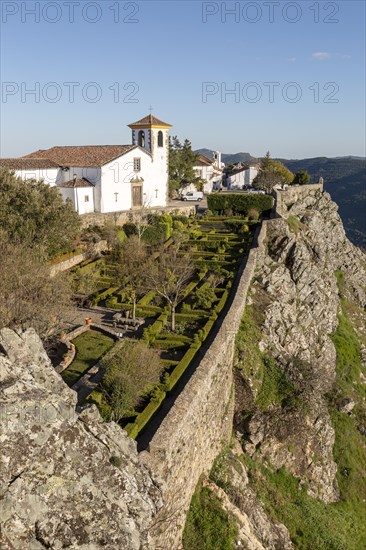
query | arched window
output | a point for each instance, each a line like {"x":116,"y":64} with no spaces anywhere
{"x":141,"y":140}
{"x":160,"y":139}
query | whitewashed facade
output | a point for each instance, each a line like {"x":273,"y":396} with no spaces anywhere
{"x":106,"y":178}
{"x":241,"y":178}
{"x":210,"y":171}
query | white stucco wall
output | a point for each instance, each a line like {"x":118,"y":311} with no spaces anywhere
{"x":116,"y":178}
{"x":78,"y":195}
{"x":245,"y":177}
{"x":50,"y":176}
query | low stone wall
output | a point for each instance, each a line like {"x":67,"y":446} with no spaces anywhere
{"x":294,"y":193}
{"x":78,"y":258}
{"x":200,"y":421}
{"x":119,"y":218}
{"x":67,"y":339}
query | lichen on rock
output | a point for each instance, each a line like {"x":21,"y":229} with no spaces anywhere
{"x":67,"y":479}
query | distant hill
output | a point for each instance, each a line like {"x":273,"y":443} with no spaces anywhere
{"x":234,"y":158}
{"x":344,"y":178}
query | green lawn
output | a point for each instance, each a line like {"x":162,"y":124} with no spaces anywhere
{"x":90,"y":347}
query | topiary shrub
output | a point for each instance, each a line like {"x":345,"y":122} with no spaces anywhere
{"x":253,"y":214}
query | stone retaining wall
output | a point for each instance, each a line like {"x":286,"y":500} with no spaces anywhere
{"x":193,"y":432}
{"x":78,"y":258}
{"x":119,"y":218}
{"x":67,"y":339}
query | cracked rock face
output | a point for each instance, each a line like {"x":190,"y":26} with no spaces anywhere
{"x":67,"y":479}
{"x":297,"y":277}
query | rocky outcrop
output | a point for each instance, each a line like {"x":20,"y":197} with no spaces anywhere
{"x":296,"y":287}
{"x":256,"y":531}
{"x":67,"y":479}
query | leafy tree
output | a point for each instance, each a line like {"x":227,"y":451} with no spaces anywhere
{"x":129,"y":259}
{"x":301,"y":178}
{"x":29,"y":297}
{"x":34,"y":213}
{"x":169,"y":274}
{"x":130,"y":373}
{"x":181,"y":162}
{"x":271,"y":173}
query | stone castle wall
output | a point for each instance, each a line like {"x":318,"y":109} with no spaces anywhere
{"x":200,"y":421}
{"x":284,"y":199}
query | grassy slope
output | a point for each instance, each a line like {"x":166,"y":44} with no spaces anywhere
{"x":208,"y":526}
{"x":314,"y":525}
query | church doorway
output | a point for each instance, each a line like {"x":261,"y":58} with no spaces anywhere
{"x":136,"y":196}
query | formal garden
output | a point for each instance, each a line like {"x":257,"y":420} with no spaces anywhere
{"x":165,"y":286}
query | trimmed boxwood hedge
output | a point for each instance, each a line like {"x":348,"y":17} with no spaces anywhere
{"x":134,"y":428}
{"x":103,"y":295}
{"x":183,"y":364}
{"x":239,"y":203}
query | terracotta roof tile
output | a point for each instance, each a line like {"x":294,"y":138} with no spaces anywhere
{"x":205,"y":160}
{"x":77,"y":182}
{"x":33,"y":163}
{"x":82,"y":155}
{"x":147,"y":121}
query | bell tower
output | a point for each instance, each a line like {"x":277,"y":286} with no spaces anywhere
{"x":153,"y":135}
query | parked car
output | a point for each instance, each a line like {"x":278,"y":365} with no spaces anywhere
{"x":256,"y":191}
{"x":192,"y":196}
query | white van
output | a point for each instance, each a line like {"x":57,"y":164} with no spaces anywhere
{"x":192,"y":196}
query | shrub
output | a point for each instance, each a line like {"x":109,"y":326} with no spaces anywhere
{"x":182,"y":366}
{"x":121,"y":236}
{"x":134,"y":428}
{"x":130,"y":229}
{"x":157,"y":233}
{"x":204,"y":297}
{"x":239,"y":203}
{"x":219,"y":307}
{"x":253,"y":214}
{"x":295,"y":224}
{"x":182,"y":219}
{"x":145,"y":300}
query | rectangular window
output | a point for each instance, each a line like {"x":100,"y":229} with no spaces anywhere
{"x":86,"y":198}
{"x":137,"y":164}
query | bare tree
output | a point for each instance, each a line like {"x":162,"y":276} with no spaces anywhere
{"x":129,"y":267}
{"x":140,"y":218}
{"x":169,"y":274}
{"x":29,"y":297}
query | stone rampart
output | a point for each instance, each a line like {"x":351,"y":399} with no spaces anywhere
{"x":284,"y":199}
{"x":200,"y":421}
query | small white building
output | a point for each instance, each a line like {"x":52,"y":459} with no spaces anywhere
{"x":210,"y":171}
{"x":239,"y":179}
{"x":106,"y":178}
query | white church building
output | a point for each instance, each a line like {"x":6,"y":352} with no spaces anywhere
{"x":106,"y":178}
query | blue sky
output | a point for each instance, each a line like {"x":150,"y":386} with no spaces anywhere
{"x":296,"y":71}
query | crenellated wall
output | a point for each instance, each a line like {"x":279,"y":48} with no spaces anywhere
{"x":200,"y":421}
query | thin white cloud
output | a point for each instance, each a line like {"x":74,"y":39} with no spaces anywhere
{"x":321,"y":56}
{"x":345,"y":56}
{"x":292,"y":59}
